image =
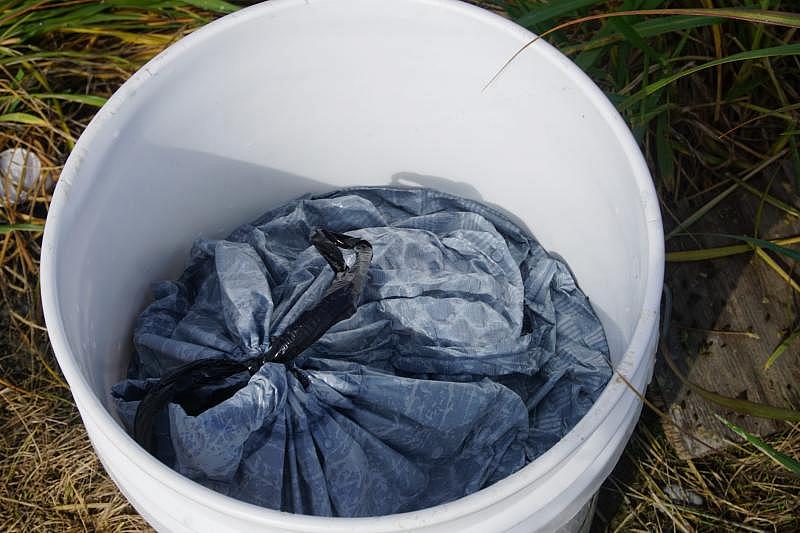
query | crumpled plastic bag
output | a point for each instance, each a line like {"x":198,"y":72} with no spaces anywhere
{"x":472,"y":351}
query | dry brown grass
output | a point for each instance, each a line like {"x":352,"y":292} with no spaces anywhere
{"x":51,"y":478}
{"x":740,"y":490}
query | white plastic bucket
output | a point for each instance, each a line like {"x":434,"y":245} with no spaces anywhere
{"x":296,"y":96}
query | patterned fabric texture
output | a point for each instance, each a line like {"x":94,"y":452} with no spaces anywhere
{"x":472,"y":352}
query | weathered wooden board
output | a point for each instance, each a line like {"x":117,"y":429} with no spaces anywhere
{"x":733,"y":294}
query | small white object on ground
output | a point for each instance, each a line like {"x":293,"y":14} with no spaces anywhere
{"x":681,"y":496}
{"x":19,"y":165}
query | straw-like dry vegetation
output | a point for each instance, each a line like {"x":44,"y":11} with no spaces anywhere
{"x":711,"y":96}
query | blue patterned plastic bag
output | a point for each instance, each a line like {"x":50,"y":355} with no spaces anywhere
{"x":472,"y":351}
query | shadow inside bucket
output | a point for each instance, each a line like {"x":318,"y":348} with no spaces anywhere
{"x":188,"y":195}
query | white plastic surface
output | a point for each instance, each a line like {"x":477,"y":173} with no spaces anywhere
{"x":295,"y":96}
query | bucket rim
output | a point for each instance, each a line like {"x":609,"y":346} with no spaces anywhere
{"x":617,"y":392}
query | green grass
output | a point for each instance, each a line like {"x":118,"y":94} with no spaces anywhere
{"x":712,"y":96}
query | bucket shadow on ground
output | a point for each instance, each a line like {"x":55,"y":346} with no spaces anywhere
{"x":728,"y":314}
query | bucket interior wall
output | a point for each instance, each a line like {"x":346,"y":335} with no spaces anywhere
{"x":245,"y":120}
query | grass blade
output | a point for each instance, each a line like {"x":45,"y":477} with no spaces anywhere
{"x":8,"y":228}
{"x":711,"y":204}
{"x":746,"y":407}
{"x":781,"y":459}
{"x":553,"y":10}
{"x":782,"y":347}
{"x":764,"y":256}
{"x":763,"y":114}
{"x":757,"y":16}
{"x":773,"y":51}
{"x":761,"y":243}
{"x":647,"y":28}
{"x":670,"y":23}
{"x":96,"y":101}
{"x":783,"y":206}
{"x":705,"y":254}
{"x":216,"y":6}
{"x":23,"y":118}
{"x":758,"y":245}
{"x":723,"y":251}
{"x":633,"y":36}
{"x":152,"y":39}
